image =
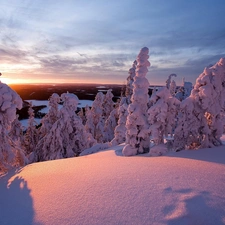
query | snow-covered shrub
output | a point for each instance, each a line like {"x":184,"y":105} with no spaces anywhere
{"x":130,"y":80}
{"x":137,"y":138}
{"x":200,"y":123}
{"x":120,"y":129}
{"x":10,"y":154}
{"x":67,"y":137}
{"x":162,"y":115}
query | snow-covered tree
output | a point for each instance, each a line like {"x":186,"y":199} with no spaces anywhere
{"x":130,"y":80}
{"x":120,"y":129}
{"x":10,"y":154}
{"x":137,"y":137}
{"x":110,"y":125}
{"x":16,"y":130}
{"x":31,"y":137}
{"x":95,"y":121}
{"x":184,"y":91}
{"x":81,"y":114}
{"x":108,"y":104}
{"x":173,"y":88}
{"x":168,"y":81}
{"x":200,"y":123}
{"x":67,"y":137}
{"x":51,"y":117}
{"x":162,"y":115}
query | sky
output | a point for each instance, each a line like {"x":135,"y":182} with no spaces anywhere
{"x":96,"y":41}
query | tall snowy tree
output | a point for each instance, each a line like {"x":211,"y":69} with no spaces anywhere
{"x":67,"y":137}
{"x":10,"y":154}
{"x":137,"y":137}
{"x":200,"y":123}
{"x":130,"y":80}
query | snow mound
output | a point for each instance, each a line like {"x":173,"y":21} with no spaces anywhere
{"x":158,"y":150}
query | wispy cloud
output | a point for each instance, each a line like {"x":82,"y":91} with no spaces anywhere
{"x":95,"y":38}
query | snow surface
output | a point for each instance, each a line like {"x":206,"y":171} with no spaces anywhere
{"x":185,"y":187}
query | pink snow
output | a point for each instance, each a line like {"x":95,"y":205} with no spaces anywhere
{"x":186,"y":187}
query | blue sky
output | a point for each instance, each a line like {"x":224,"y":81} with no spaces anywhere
{"x":97,"y":41}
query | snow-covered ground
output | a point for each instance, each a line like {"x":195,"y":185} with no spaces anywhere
{"x":186,"y":187}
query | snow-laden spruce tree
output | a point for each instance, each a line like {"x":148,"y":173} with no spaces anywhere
{"x":31,"y":137}
{"x":137,"y":137}
{"x":51,"y":117}
{"x":10,"y":154}
{"x":200,"y":123}
{"x":120,"y":129}
{"x":162,"y":115}
{"x":67,"y":137}
{"x":95,"y":121}
{"x":130,"y":80}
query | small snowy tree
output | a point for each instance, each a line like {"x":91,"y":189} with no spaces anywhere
{"x":168,"y":81}
{"x":95,"y":121}
{"x":31,"y":137}
{"x":137,"y":137}
{"x":51,"y":117}
{"x":162,"y":115}
{"x":120,"y":129}
{"x":10,"y":154}
{"x":130,"y":80}
{"x":184,"y":91}
{"x":67,"y":137}
{"x":16,"y":131}
{"x":201,"y":112}
{"x":108,"y":104}
{"x":110,"y":125}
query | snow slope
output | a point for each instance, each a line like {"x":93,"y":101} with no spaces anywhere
{"x":186,"y":187}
